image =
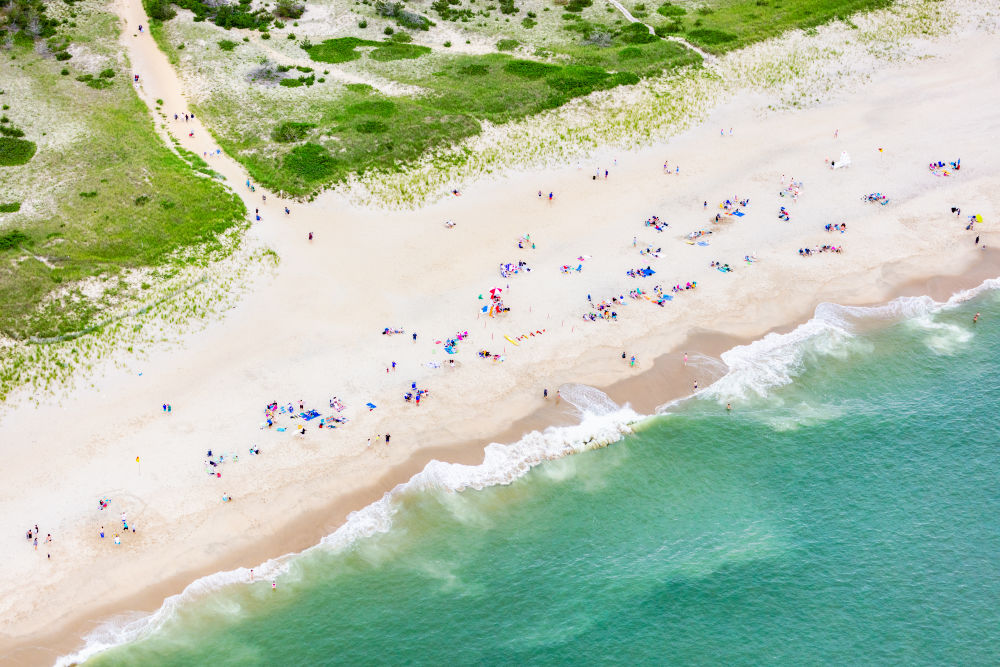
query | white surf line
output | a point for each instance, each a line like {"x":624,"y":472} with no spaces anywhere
{"x":708,"y":57}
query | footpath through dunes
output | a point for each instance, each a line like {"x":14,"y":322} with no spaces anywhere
{"x":314,"y":331}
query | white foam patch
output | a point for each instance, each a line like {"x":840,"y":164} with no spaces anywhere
{"x":777,"y":359}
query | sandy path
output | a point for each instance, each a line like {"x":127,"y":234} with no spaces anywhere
{"x":313,"y":331}
{"x":708,"y":57}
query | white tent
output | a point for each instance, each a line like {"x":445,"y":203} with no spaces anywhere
{"x":844,"y":161}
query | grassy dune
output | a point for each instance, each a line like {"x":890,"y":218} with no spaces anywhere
{"x":102,"y":195}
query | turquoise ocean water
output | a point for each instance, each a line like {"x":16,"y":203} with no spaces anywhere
{"x":846,"y":512}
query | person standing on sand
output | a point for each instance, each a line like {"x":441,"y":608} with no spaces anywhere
{"x":977,"y":240}
{"x":545,"y":394}
{"x":36,"y":543}
{"x":251,"y":574}
{"x":387,"y":438}
{"x":558,"y":396}
{"x":696,"y":385}
{"x":685,"y":358}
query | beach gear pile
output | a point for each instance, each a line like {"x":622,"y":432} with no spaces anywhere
{"x":392,"y":331}
{"x":517,"y":340}
{"x":496,"y":305}
{"x":809,"y":252}
{"x":509,"y":269}
{"x":640,"y":272}
{"x":415,"y":395}
{"x":793,"y":190}
{"x":876,"y":198}
{"x":649,"y":251}
{"x":568,"y":268}
{"x":657,"y":297}
{"x":486,"y":354}
{"x":941,"y":169}
{"x":678,"y":288}
{"x":451,"y":344}
{"x":783,"y":214}
{"x":724,"y":268}
{"x":525,"y":242}
{"x":844,"y":161}
{"x":656,"y":223}
{"x":732,"y":207}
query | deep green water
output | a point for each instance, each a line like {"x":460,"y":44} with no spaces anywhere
{"x":849,"y":517}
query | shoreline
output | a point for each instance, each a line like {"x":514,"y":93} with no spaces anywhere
{"x":652,"y":387}
{"x":427,"y":280}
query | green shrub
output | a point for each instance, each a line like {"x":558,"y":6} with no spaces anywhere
{"x":13,"y":239}
{"x":359,"y":88}
{"x":292,"y":83}
{"x":529,"y":23}
{"x":289,"y":9}
{"x":507,"y":44}
{"x":529,"y":69}
{"x":62,"y":55}
{"x":636,"y":33}
{"x":474,"y":70}
{"x":88,"y":195}
{"x":338,"y":50}
{"x":64,"y":72}
{"x":142,"y":200}
{"x":311,"y":162}
{"x":362,"y":24}
{"x":8,"y":131}
{"x":290,"y":131}
{"x":402,"y":38}
{"x":372,"y":127}
{"x":671,"y":28}
{"x":227,"y":44}
{"x":110,"y":74}
{"x":15,"y":151}
{"x":11,"y":207}
{"x":667,"y":9}
{"x":388,"y":30}
{"x":379,"y":108}
{"x":389,"y":51}
{"x":575,"y":80}
{"x":159,"y":10}
{"x":710,"y":37}
{"x":630,"y":53}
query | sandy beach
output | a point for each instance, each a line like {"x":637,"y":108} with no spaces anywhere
{"x":314,"y":330}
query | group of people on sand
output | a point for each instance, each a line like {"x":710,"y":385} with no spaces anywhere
{"x":656,"y":223}
{"x":415,"y":394}
{"x":724,"y":268}
{"x":941,"y":169}
{"x":808,"y":252}
{"x":842,"y":227}
{"x":876,"y":198}
{"x":508,"y":269}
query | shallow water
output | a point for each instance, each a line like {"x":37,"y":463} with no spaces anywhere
{"x":847,"y":511}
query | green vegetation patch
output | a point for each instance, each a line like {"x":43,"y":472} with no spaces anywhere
{"x":12,"y":239}
{"x":227,"y":44}
{"x":10,"y":207}
{"x":14,"y":151}
{"x":397,"y":51}
{"x":529,"y":69}
{"x":290,"y":131}
{"x":723,"y":25}
{"x":338,"y":50}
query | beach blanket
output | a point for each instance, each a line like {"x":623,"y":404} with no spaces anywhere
{"x":371,"y":406}
{"x":739,"y":214}
{"x":309,"y":416}
{"x":702,"y":243}
{"x":648,"y":272}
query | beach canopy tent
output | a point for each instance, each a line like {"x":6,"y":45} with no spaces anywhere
{"x":844,"y":161}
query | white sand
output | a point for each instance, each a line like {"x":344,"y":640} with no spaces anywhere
{"x":314,"y":330}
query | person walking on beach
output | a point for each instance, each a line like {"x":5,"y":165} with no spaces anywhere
{"x":310,"y":236}
{"x":696,"y":385}
{"x":251,"y":574}
{"x":387,"y":436}
{"x":977,"y":240}
{"x":558,"y":396}
{"x":545,"y":394}
{"x":685,"y":358}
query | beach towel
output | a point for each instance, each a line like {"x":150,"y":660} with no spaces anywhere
{"x":703,"y":243}
{"x":739,"y":214}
